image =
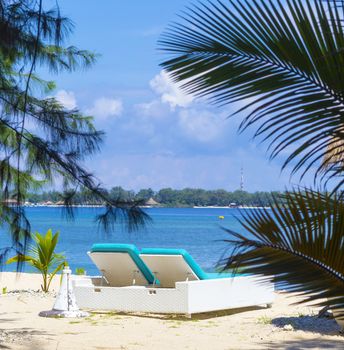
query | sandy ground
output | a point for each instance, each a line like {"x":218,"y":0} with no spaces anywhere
{"x":284,"y":326}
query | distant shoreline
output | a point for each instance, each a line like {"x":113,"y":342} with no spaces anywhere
{"x":165,"y":197}
{"x":238,"y":207}
{"x":144,"y":206}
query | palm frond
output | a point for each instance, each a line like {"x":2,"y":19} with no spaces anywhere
{"x":286,"y":57}
{"x":298,"y":245}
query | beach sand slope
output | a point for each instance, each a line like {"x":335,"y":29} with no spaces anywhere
{"x":284,"y":326}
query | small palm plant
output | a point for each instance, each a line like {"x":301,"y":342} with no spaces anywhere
{"x":42,"y":257}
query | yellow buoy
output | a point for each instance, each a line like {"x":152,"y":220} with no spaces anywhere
{"x":221,"y":217}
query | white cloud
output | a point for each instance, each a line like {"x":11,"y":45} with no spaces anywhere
{"x":176,"y":111}
{"x":203,"y":126}
{"x":66,"y":98}
{"x":153,"y":109}
{"x":170,"y":91}
{"x":104,"y":108}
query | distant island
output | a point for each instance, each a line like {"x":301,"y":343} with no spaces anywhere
{"x":166,"y":197}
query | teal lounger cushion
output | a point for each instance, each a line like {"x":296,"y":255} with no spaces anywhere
{"x":129,"y":249}
{"x":202,"y":275}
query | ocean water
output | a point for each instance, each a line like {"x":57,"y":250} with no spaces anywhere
{"x":198,"y":230}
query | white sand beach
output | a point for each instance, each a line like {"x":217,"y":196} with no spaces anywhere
{"x":284,"y":326}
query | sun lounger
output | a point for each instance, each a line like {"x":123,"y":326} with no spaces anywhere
{"x":120,"y":265}
{"x":175,"y":265}
{"x":166,"y":281}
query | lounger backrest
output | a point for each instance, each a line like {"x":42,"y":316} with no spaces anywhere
{"x":121,"y":265}
{"x":171,"y":266}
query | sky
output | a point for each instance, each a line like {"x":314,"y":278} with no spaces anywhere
{"x":156,"y":135}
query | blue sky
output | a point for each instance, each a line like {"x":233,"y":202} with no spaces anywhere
{"x":156,"y":135}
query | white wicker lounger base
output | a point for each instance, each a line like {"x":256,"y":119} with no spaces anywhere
{"x":187,"y":297}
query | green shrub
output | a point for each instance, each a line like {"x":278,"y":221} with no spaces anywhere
{"x":80,"y":271}
{"x":42,"y":257}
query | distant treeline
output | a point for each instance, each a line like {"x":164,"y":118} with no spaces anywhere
{"x":187,"y":197}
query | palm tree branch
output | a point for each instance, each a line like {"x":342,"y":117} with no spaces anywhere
{"x":259,"y":50}
{"x":278,"y":264}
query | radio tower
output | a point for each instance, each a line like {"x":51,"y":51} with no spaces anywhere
{"x":241,"y":179}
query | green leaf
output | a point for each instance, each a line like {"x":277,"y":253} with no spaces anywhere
{"x":43,"y":256}
{"x":19,"y":258}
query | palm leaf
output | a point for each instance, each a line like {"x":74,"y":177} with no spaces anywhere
{"x":287,"y":57}
{"x":297,"y":244}
{"x":43,"y":257}
{"x":19,"y":258}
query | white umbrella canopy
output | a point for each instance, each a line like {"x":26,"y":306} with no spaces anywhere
{"x":151,"y":201}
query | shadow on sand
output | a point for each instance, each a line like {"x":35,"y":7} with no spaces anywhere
{"x":181,"y":317}
{"x":305,"y":344}
{"x":9,"y":338}
{"x":312,"y":324}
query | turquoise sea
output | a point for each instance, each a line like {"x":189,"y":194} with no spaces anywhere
{"x":198,"y":230}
